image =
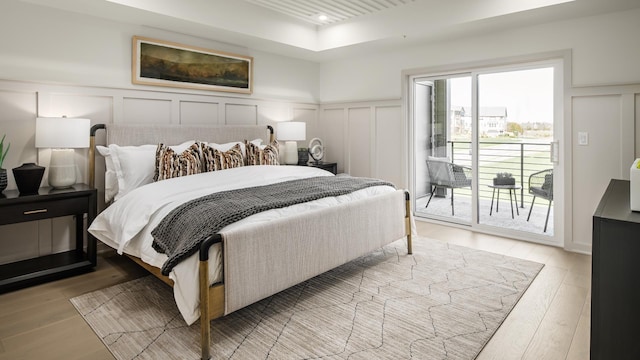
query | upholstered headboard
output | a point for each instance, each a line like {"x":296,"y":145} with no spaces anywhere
{"x":173,"y":134}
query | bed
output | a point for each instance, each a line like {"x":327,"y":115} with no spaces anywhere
{"x":250,"y":259}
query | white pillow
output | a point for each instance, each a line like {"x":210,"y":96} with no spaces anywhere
{"x":258,"y":143}
{"x":224,"y":147}
{"x":135,"y":165}
{"x":110,"y":177}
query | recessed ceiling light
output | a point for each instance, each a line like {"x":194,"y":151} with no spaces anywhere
{"x":323,"y":17}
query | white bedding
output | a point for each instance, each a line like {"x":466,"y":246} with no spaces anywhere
{"x":126,"y":225}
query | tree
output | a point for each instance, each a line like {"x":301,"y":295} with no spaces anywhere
{"x":514,"y":128}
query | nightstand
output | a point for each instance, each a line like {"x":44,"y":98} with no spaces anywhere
{"x":49,"y":203}
{"x":329,"y":166}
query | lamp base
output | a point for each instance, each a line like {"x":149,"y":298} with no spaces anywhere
{"x":62,"y":169}
{"x":291,"y":153}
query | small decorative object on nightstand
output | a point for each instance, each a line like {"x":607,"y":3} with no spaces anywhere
{"x":316,"y":149}
{"x":3,"y":172}
{"x":3,"y":179}
{"x":303,"y":156}
{"x":28,"y":178}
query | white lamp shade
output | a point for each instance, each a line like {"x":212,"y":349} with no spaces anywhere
{"x":62,"y":133}
{"x":292,"y":131}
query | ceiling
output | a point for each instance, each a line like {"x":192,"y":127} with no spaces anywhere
{"x":353,"y":27}
{"x":334,"y":10}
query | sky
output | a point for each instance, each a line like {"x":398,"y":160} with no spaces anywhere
{"x":527,"y":94}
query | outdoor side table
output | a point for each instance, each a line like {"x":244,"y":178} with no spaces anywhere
{"x":512,"y":197}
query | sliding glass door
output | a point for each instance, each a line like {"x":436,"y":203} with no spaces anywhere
{"x":516,"y":126}
{"x":485,"y":149}
{"x":443,"y":175}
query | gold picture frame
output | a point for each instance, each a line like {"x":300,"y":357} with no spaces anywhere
{"x":162,"y":63}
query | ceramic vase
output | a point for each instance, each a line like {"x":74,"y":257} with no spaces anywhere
{"x":28,"y":178}
{"x":3,"y":179}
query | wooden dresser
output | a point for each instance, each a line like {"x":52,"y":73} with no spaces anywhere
{"x":615,"y":277}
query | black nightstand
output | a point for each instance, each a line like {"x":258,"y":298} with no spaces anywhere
{"x":329,"y":166}
{"x":49,"y":203}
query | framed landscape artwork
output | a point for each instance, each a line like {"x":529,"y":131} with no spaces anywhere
{"x":162,"y":63}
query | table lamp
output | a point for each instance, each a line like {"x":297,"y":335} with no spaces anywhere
{"x":290,"y":132}
{"x":62,"y":135}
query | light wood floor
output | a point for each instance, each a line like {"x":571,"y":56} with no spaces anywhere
{"x":551,"y":321}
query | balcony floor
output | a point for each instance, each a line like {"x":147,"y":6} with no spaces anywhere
{"x":441,"y":208}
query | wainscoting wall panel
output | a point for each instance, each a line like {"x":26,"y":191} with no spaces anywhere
{"x":366,"y":139}
{"x":20,"y":241}
{"x":271,"y":113}
{"x":198,"y":113}
{"x":332,"y":132}
{"x":610,"y":116}
{"x":241,"y":114}
{"x":22,"y":102}
{"x":146,"y":111}
{"x":310,"y":117}
{"x":359,"y":126}
{"x":386,"y":158}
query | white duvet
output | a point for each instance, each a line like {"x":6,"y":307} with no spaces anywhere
{"x":126,"y":225}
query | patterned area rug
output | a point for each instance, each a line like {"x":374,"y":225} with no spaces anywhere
{"x":442,"y":302}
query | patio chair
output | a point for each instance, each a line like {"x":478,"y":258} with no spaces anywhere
{"x":541,"y":185}
{"x":445,"y":174}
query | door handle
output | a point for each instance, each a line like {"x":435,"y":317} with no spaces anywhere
{"x":554,"y":156}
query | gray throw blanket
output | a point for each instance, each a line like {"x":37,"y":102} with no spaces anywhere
{"x":181,"y":232}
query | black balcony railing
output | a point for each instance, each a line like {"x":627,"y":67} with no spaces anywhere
{"x":521,"y":159}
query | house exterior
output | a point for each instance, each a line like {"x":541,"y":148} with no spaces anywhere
{"x":492,"y":120}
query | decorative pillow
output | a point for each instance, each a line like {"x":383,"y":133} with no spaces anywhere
{"x":171,"y":163}
{"x":214,"y":159}
{"x":262,"y":154}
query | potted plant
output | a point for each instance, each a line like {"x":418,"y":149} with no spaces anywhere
{"x":504,"y":178}
{"x":3,"y":171}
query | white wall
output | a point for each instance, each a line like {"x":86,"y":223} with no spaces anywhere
{"x":604,"y":49}
{"x":48,"y":45}
{"x":605,"y":56}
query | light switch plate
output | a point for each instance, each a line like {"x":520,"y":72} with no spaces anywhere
{"x":583,"y":138}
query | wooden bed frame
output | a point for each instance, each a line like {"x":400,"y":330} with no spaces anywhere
{"x":212,"y":297}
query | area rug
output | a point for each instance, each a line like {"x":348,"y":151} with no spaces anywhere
{"x":442,"y":302}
